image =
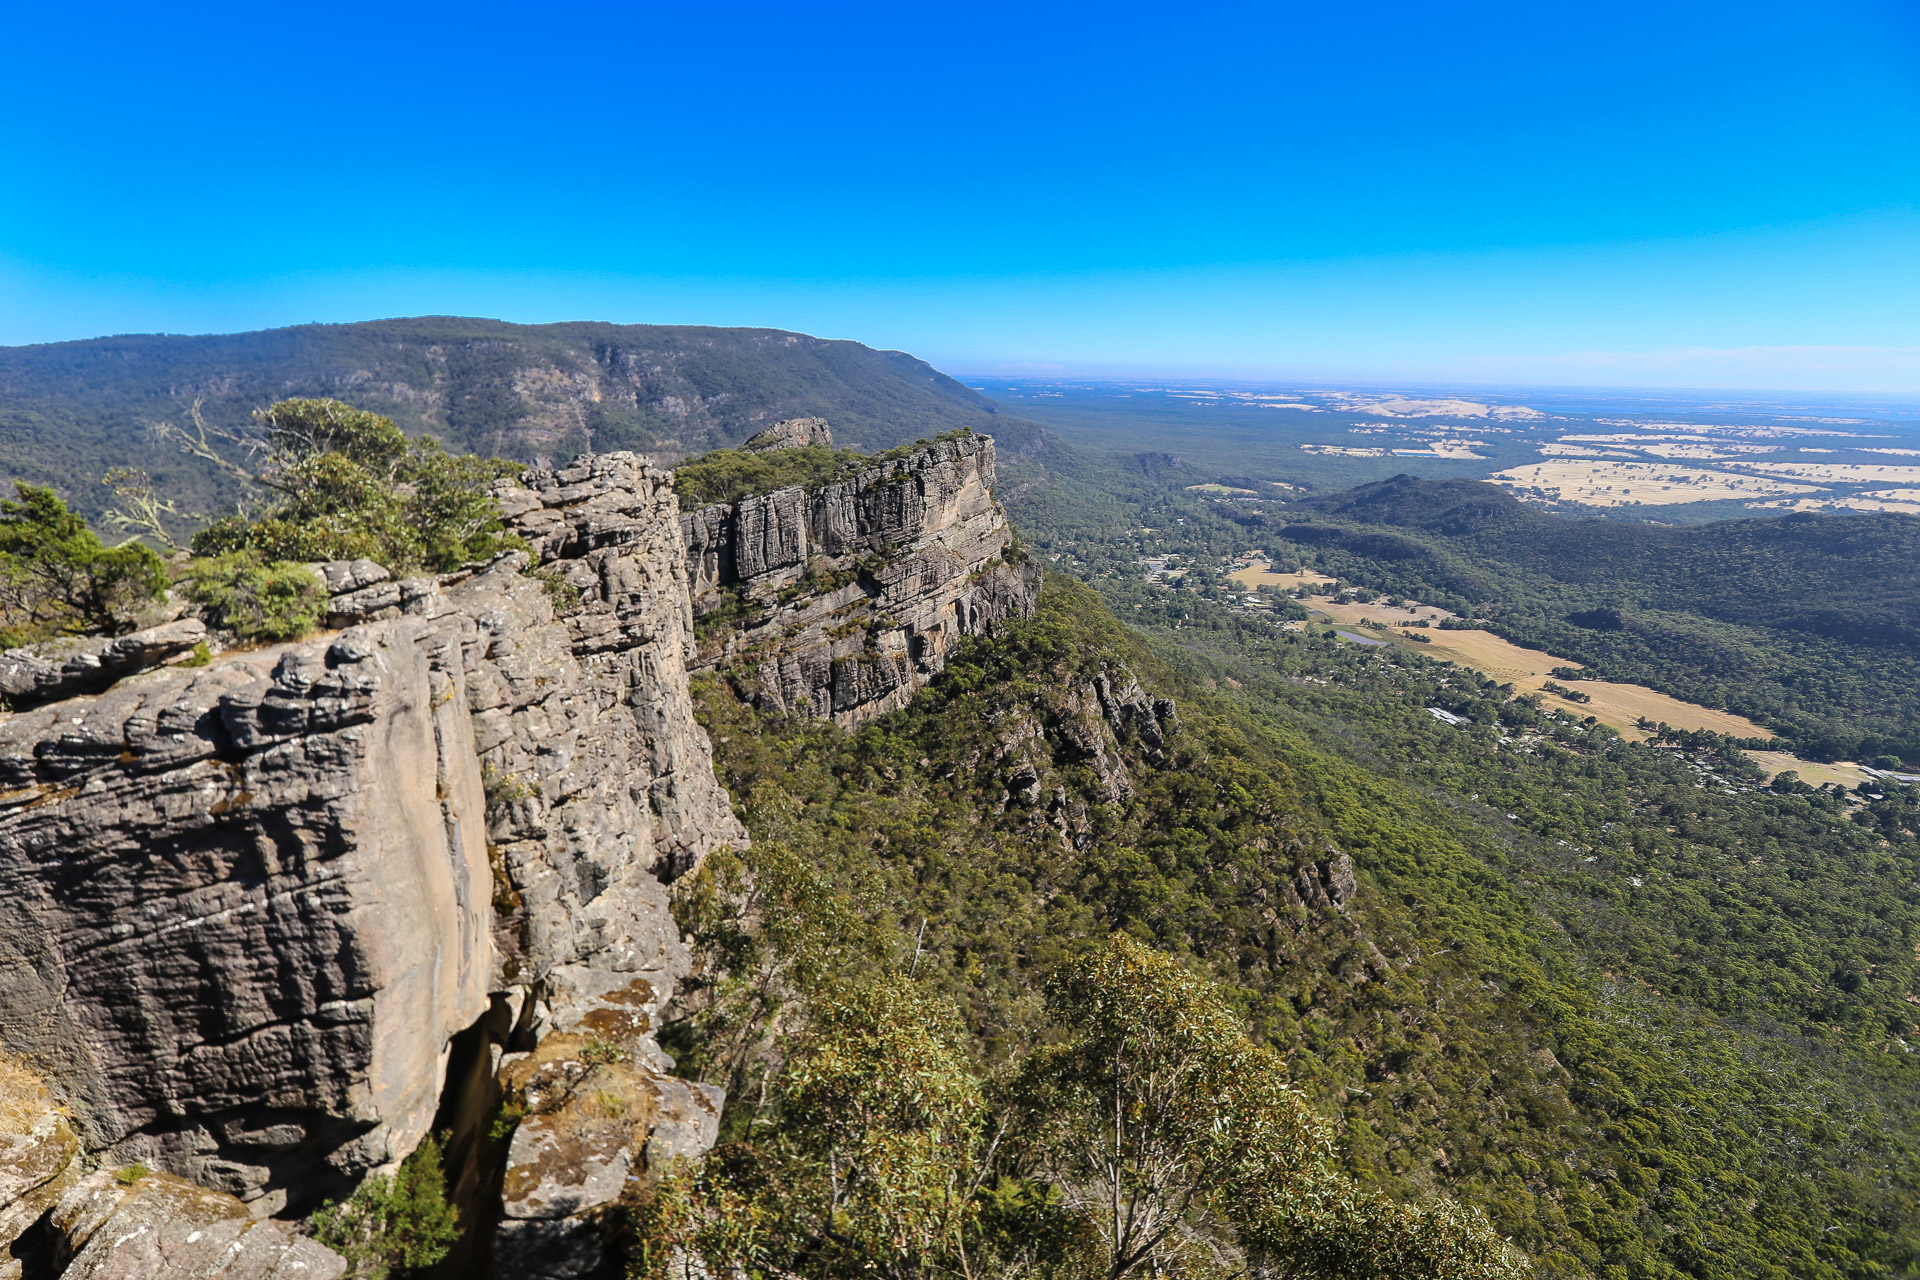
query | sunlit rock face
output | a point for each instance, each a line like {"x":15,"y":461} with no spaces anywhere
{"x":267,"y":921}
{"x":246,"y":905}
{"x":252,"y":911}
{"x":843,"y":602}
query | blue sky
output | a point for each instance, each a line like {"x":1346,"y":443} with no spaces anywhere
{"x":1639,"y":194}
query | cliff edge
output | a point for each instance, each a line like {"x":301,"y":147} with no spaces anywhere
{"x":843,"y":601}
{"x":268,"y":921}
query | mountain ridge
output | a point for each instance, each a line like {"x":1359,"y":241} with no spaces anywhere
{"x":537,"y":393}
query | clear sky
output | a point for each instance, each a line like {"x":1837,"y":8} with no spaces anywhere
{"x":1659,"y":194}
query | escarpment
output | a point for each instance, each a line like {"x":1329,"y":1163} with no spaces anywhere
{"x":842,"y":601}
{"x":269,"y":920}
{"x":261,"y":920}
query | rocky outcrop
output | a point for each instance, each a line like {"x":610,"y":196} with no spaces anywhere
{"x":842,"y":602}
{"x":126,"y":1224}
{"x":262,"y":920}
{"x":86,"y":664}
{"x":245,"y":906}
{"x":794,"y":433}
{"x":123,"y":1223}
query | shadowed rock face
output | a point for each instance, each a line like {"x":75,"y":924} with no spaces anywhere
{"x":246,"y":905}
{"x":246,"y":908}
{"x":843,"y":602}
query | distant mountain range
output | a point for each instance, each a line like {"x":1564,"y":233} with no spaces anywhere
{"x":71,"y":410}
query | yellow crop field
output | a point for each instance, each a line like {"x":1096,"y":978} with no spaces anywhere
{"x":1846,"y":773}
{"x":1616,"y":705}
{"x":1842,"y":472}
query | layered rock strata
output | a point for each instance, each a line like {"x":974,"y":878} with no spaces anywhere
{"x":249,"y":909}
{"x":842,"y":602}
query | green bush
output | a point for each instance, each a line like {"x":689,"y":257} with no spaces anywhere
{"x":402,"y":1222}
{"x":58,"y":578}
{"x":258,"y":599}
{"x":726,"y":475}
{"x":346,"y":484}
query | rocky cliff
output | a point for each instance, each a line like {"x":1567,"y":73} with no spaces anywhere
{"x":265,"y":921}
{"x":842,"y":601}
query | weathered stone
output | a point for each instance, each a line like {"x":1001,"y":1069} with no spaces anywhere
{"x":794,"y":433}
{"x":900,"y":561}
{"x":1341,"y":881}
{"x":39,"y":1161}
{"x":63,"y":668}
{"x":342,"y":576}
{"x":609,"y":528}
{"x":591,"y":1128}
{"x":157,"y":1227}
{"x":246,"y":899}
{"x":1136,"y":718}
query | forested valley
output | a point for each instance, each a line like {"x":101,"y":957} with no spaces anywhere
{"x":1387,"y":970}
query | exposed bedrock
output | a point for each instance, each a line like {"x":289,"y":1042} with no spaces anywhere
{"x":252,"y":912}
{"x":267,"y":921}
{"x":245,"y":906}
{"x":844,"y":601}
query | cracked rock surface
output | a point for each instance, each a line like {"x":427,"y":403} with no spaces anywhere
{"x":247,"y":908}
{"x":844,"y":602}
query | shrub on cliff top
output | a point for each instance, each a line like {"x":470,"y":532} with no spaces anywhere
{"x":727,"y":475}
{"x":343,"y":483}
{"x":258,"y":599}
{"x":58,"y":578}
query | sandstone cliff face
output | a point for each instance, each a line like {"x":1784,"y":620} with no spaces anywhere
{"x":843,"y":602}
{"x":245,"y":906}
{"x":265,"y":921}
{"x":247,"y":910}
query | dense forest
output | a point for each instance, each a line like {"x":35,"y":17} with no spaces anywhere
{"x":1573,"y":988}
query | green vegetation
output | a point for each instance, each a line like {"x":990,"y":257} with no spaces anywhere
{"x":1150,"y":1138}
{"x":1598,"y":1066}
{"x":1808,"y":623}
{"x":346,"y":484}
{"x":727,"y":475}
{"x":274,"y":600}
{"x":57,"y":578}
{"x":534,"y":393}
{"x":393,"y":1224}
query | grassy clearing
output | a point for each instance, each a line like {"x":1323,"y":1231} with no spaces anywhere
{"x":23,"y":1098}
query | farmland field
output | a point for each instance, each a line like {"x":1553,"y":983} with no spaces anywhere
{"x":1618,"y":705}
{"x":1598,"y":483}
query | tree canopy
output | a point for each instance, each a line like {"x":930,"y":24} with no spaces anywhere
{"x":58,"y":578}
{"x":344,"y":484}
